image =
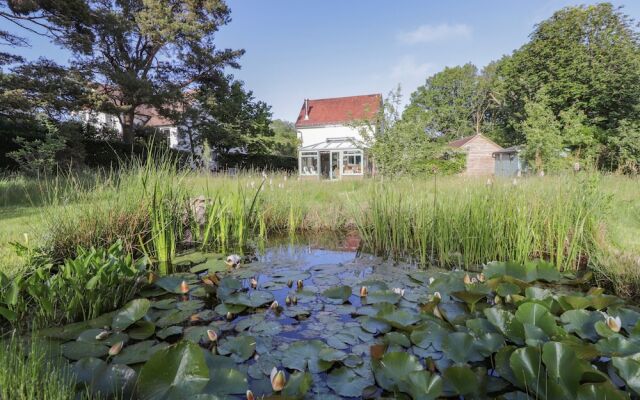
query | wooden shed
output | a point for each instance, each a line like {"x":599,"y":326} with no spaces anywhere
{"x":479,"y":150}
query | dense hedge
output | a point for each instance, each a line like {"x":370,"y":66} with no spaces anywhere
{"x":257,"y":161}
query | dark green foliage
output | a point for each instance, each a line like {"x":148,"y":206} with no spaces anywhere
{"x":258,"y":162}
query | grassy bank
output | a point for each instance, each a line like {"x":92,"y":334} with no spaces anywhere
{"x":571,"y":220}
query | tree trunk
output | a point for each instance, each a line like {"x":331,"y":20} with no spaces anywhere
{"x":128,"y":132}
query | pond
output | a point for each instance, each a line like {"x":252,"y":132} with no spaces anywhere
{"x":343,"y":325}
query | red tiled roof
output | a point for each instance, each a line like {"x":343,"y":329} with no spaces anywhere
{"x":339,"y":110}
{"x":152,"y":117}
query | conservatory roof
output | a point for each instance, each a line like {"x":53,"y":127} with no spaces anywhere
{"x":335,"y":144}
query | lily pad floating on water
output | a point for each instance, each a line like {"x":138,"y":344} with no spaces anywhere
{"x":92,"y":336}
{"x":240,"y":348}
{"x":139,"y":352}
{"x":177,"y":372}
{"x":345,"y":382}
{"x":305,"y":354}
{"x":393,"y":368}
{"x":141,"y":330}
{"x":130,"y":314}
{"x":253,"y":299}
{"x":339,"y":294}
{"x":527,"y":272}
{"x":104,"y":380}
{"x":79,"y":350}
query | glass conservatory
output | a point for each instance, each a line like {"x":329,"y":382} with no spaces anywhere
{"x":335,"y":158}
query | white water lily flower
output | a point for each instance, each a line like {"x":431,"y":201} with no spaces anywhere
{"x":103,"y":335}
{"x":431,"y":280}
{"x":250,"y":395}
{"x":212,"y":335}
{"x":398,"y":291}
{"x":614,"y":323}
{"x":278,"y":379}
{"x":437,"y":295}
{"x":364,"y":291}
{"x":254,"y":283}
{"x":233,"y":260}
{"x":274,"y":305}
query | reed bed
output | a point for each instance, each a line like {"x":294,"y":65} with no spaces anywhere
{"x":472,"y":223}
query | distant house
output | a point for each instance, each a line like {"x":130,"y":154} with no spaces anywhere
{"x":146,"y":116}
{"x":330,"y":135}
{"x":479,"y":151}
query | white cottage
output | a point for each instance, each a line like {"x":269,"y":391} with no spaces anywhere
{"x":330,"y":136}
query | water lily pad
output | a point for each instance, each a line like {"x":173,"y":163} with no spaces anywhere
{"x":141,"y":330}
{"x":139,"y":352}
{"x":240,"y":348}
{"x":225,"y":381}
{"x":397,"y":338}
{"x":190,"y":305}
{"x":462,"y":379}
{"x":629,"y":370}
{"x":104,"y":380}
{"x":297,"y":385}
{"x":392,"y":369}
{"x":172,"y":283}
{"x":400,"y":318}
{"x":374,"y":325}
{"x":177,"y":372}
{"x":382,"y":296}
{"x":305,"y":355}
{"x":79,"y":350}
{"x":253,"y":299}
{"x":169,"y":331}
{"x":340,"y":293}
{"x":165,"y":304}
{"x":90,"y":336}
{"x":345,"y":382}
{"x":331,"y":355}
{"x":224,"y":308}
{"x":582,"y":323}
{"x":422,"y":385}
{"x":130,"y":314}
{"x":174,"y":317}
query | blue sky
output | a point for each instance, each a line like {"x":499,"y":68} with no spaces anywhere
{"x":299,"y":49}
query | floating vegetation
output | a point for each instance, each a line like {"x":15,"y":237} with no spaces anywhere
{"x":359,"y":328}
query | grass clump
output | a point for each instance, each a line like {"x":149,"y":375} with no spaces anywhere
{"x":30,"y":371}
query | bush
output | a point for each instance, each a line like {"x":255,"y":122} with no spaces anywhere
{"x":258,"y":162}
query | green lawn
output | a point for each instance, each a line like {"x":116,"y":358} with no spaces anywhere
{"x":15,"y":223}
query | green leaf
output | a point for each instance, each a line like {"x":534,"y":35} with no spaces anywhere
{"x":537,"y":315}
{"x":341,"y":293}
{"x":305,"y":354}
{"x":526,"y":364}
{"x":345,"y":382}
{"x":422,"y":385}
{"x":240,"y":348}
{"x":174,"y":373}
{"x":225,"y":381}
{"x":629,"y":370}
{"x":462,"y":379}
{"x":391,"y":370}
{"x":105,"y":380}
{"x":297,"y":385}
{"x":139,"y":352}
{"x":130,"y":313}
{"x":141,"y":330}
{"x":506,"y":323}
{"x":79,"y":350}
{"x":253,"y":299}
{"x":563,"y":367}
{"x":582,"y":323}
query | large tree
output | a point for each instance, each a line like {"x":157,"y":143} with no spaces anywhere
{"x":585,"y":58}
{"x":456,"y":102}
{"x":138,"y":52}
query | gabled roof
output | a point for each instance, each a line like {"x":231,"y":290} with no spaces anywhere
{"x":461,"y":142}
{"x":339,"y":110}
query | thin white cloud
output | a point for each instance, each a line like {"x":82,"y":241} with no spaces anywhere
{"x":435,"y":33}
{"x":410,"y":73}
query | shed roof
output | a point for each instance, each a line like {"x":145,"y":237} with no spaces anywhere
{"x":461,"y":142}
{"x":339,"y":110}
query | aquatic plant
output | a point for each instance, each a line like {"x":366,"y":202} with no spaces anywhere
{"x":426,"y":334}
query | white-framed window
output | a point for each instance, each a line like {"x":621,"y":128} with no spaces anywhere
{"x":352,"y":162}
{"x":309,"y":163}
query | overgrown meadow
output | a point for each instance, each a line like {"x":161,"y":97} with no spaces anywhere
{"x":116,"y":279}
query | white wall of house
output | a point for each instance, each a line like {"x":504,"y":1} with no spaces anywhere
{"x":319,"y":134}
{"x":99,"y":119}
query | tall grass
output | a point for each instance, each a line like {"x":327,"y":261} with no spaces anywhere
{"x":30,"y":371}
{"x":470,"y":224}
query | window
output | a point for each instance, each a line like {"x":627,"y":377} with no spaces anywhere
{"x":309,"y":163}
{"x":352,"y":162}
